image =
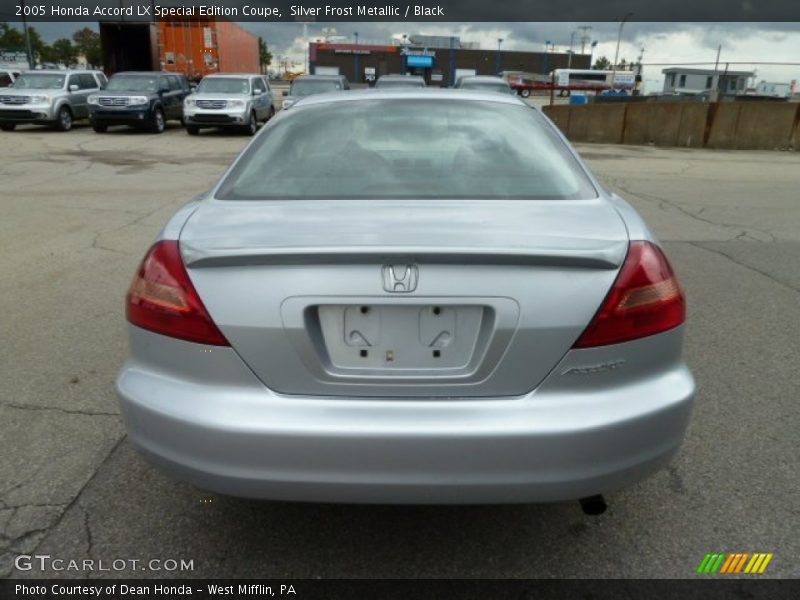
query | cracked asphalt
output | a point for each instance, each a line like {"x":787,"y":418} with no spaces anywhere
{"x":80,"y":209}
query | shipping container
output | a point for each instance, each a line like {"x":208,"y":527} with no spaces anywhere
{"x":193,"y":47}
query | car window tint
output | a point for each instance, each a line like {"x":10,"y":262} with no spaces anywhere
{"x":174,"y":84}
{"x":410,"y":148}
{"x":87,"y":81}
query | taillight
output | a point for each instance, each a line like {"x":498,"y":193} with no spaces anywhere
{"x":162,"y":298}
{"x":645,"y":299}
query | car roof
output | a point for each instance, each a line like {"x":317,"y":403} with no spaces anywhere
{"x":487,"y":78}
{"x":222,"y":75}
{"x":444,"y":94}
{"x":403,"y":77}
{"x":58,"y":71}
{"x":148,"y":73}
{"x":319,"y":77}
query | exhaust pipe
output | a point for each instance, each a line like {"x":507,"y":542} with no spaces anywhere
{"x":593,"y":505}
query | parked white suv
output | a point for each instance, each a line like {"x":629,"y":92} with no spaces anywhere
{"x":233,"y":100}
{"x":55,"y":98}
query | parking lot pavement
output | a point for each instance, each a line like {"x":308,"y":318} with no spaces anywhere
{"x":79,"y":210}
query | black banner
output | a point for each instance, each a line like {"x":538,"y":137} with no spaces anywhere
{"x":387,"y":10}
{"x":304,"y":589}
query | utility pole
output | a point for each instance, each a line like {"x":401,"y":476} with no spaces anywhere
{"x":571,"y":46}
{"x":585,"y":29}
{"x":715,"y":81}
{"x":28,"y":49}
{"x":497,"y":65}
{"x":616,"y":54}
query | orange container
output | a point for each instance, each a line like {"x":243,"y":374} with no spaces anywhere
{"x":200,"y":47}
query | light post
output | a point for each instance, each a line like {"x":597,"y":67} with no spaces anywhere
{"x":571,"y":51}
{"x":355,"y":61}
{"x":497,"y":62}
{"x":28,"y":49}
{"x":616,"y":54}
{"x":546,"y":55}
{"x":591,"y":52}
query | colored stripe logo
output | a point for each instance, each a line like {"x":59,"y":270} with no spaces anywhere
{"x":728,"y":563}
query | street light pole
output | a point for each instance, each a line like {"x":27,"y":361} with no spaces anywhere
{"x":356,"y":65}
{"x":546,"y":55}
{"x":28,"y":49}
{"x":571,"y":48}
{"x":616,"y":54}
{"x":497,"y":63}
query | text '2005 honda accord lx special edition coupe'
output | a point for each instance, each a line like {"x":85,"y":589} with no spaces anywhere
{"x":407,"y":296}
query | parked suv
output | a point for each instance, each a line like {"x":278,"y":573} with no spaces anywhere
{"x":7,"y":77}
{"x":238,"y":100}
{"x":55,"y":98}
{"x":145,"y":99}
{"x":313,"y":84}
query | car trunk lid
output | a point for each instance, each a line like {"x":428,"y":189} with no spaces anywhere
{"x":399,"y":298}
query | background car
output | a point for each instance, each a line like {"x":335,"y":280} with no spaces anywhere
{"x":229,"y":100}
{"x":308,"y":85}
{"x":143,"y":99}
{"x":407,"y":296}
{"x":400,"y":81}
{"x":55,"y":98}
{"x":486,"y":83}
{"x":7,"y":77}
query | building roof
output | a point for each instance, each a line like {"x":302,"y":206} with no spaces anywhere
{"x":719,"y":71}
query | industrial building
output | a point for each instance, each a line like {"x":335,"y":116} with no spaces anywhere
{"x":440,"y":60}
{"x":192,"y":47}
{"x":681,"y":80}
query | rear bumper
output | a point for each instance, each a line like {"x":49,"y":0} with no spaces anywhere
{"x":221,"y":429}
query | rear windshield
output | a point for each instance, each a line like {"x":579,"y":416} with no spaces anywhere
{"x":487,"y":86}
{"x":309,"y":86}
{"x":133,"y":83}
{"x":39,"y":81}
{"x":224,"y":85}
{"x":410,"y":148}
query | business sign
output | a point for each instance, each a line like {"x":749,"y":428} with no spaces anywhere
{"x":415,"y":60}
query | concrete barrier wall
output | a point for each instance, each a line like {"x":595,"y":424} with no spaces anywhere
{"x":729,"y":125}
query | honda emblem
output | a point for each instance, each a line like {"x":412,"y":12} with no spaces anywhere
{"x":400,"y":278}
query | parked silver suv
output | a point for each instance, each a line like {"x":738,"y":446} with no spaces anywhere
{"x":55,"y":98}
{"x":238,"y":100}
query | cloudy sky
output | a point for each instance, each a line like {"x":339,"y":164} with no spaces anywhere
{"x":662,"y":42}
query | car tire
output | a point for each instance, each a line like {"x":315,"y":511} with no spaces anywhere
{"x":192,"y":129}
{"x":525,"y":93}
{"x":251,"y":126}
{"x":8,"y":126}
{"x":64,"y":119}
{"x":158,"y":124}
{"x":98,"y":128}
{"x":271,"y":113}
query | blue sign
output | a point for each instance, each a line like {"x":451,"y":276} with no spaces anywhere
{"x":415,"y":60}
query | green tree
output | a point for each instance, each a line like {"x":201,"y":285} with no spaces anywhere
{"x":87,"y":42}
{"x":602,"y":64}
{"x":64,"y":52}
{"x":11,"y":38}
{"x":264,"y":55}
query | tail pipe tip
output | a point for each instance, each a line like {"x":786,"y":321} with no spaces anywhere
{"x":593,"y":505}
